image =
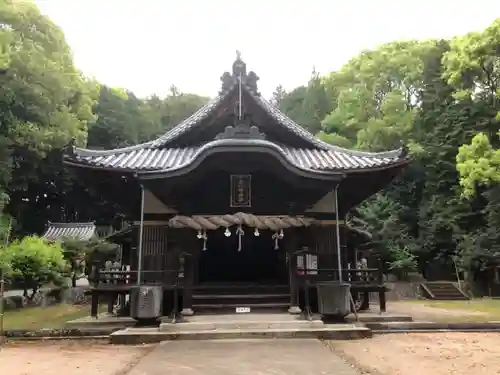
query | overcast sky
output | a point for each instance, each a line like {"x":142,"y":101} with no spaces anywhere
{"x":148,"y":45}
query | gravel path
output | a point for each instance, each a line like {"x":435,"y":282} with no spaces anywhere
{"x":421,"y":353}
{"x":68,"y":358}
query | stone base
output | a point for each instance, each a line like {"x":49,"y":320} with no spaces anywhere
{"x":187,"y":312}
{"x":294,"y":310}
{"x":134,"y":336}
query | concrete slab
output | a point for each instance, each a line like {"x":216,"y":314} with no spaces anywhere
{"x":103,"y":320}
{"x":241,"y":321}
{"x":232,"y":321}
{"x":135,"y":336}
{"x":262,"y":317}
{"x":369,"y":317}
{"x":242,"y":357}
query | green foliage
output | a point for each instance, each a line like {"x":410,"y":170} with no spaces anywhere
{"x":478,"y":163}
{"x":439,"y":97}
{"x":34,"y":262}
{"x":125,"y":120}
{"x":403,"y":260}
{"x":47,"y":99}
{"x":473,"y":64}
{"x":78,"y":253}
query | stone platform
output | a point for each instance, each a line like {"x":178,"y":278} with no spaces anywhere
{"x":248,"y":326}
{"x":237,"y":326}
{"x":110,"y":321}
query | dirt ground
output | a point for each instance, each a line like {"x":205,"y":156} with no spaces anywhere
{"x":421,"y":312}
{"x":68,"y":357}
{"x":423,"y":353}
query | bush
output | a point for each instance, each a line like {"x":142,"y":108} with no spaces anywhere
{"x":9,"y":304}
{"x":17,"y":301}
{"x":81,"y":253}
{"x":34,"y":262}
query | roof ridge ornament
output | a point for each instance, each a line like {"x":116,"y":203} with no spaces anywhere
{"x":241,"y":131}
{"x":405,"y":150}
{"x":69,"y":148}
{"x":239,"y":69}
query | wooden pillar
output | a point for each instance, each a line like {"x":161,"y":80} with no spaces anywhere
{"x":382,"y":301}
{"x":365,"y":302}
{"x":382,"y":291}
{"x":292,"y":272}
{"x":187,"y":294}
{"x":94,"y":305}
{"x":111,"y":303}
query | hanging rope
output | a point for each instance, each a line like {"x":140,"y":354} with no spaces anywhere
{"x":274,"y":223}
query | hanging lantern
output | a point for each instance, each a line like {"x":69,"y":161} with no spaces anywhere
{"x":199,"y":235}
{"x":227,"y":232}
{"x":240,"y":232}
{"x":281,"y":234}
{"x":256,"y":232}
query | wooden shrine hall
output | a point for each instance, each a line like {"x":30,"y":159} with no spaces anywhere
{"x":235,"y":205}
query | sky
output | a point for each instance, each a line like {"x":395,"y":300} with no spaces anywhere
{"x":148,"y":45}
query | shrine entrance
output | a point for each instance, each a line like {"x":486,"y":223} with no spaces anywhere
{"x":255,"y":261}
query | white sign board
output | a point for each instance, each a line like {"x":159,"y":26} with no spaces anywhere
{"x":241,"y":310}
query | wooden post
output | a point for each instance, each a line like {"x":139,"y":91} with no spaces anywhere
{"x":189,"y":258}
{"x":382,"y":301}
{"x":2,"y":304}
{"x":365,"y":304}
{"x":111,"y":303}
{"x":94,"y":305}
{"x":292,"y":273}
{"x":381,"y":293}
{"x":187,"y":292}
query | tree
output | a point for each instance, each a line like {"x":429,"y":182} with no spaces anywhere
{"x":478,"y":163}
{"x":278,"y":95}
{"x":316,"y":105}
{"x":44,"y":103}
{"x":34,"y":263}
{"x":80,"y":253}
{"x":472,"y":64}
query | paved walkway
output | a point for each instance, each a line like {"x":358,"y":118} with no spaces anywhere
{"x":242,"y":357}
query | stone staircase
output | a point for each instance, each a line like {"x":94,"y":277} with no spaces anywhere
{"x":226,"y":298}
{"x":443,"y":290}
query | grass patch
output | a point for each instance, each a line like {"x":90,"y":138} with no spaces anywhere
{"x":44,"y":317}
{"x":482,"y":305}
{"x":481,"y":309}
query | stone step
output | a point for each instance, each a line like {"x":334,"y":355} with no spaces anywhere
{"x":240,"y":299}
{"x":445,"y":291}
{"x":223,"y":307}
{"x":135,"y":336}
{"x":241,"y":289}
{"x":238,"y":324}
{"x":234,"y":296}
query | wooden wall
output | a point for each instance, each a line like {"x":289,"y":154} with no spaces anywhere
{"x":154,"y":250}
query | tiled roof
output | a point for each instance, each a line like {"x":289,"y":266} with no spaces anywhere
{"x":77,"y":231}
{"x":205,"y":111}
{"x":162,"y":154}
{"x":151,"y":159}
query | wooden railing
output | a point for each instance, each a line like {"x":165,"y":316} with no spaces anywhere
{"x":116,"y":284}
{"x":124,"y":276}
{"x":349,"y":275}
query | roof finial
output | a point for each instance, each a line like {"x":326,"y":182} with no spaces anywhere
{"x":239,"y":67}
